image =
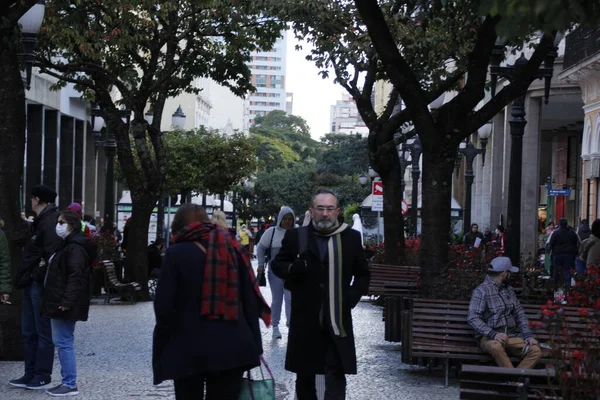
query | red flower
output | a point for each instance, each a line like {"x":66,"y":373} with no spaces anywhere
{"x":578,"y":355}
{"x":597,"y":304}
{"x":583,"y":312}
{"x":548,"y":313}
{"x":534,"y":324}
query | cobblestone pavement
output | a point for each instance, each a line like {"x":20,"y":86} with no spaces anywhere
{"x":113,"y":352}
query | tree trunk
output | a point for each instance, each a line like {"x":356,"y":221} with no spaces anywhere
{"x":12,"y":151}
{"x":393,"y":228}
{"x":137,"y":241}
{"x":435,"y":210}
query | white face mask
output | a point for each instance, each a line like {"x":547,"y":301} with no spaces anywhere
{"x":62,"y":231}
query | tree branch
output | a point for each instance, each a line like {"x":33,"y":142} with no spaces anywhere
{"x":17,"y":10}
{"x":518,"y":85}
{"x":396,"y":67}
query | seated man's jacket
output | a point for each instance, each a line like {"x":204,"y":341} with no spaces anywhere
{"x":495,"y":309}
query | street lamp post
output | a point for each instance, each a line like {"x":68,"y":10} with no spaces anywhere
{"x":468,"y":151}
{"x":30,"y":22}
{"x":517,"y":130}
{"x":110,"y":150}
{"x":415,"y":155}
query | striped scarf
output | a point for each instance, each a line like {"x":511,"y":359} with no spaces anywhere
{"x":221,"y":286}
{"x":334,"y":251}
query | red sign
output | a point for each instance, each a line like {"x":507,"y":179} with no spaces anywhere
{"x":404,"y":207}
{"x":377,"y":188}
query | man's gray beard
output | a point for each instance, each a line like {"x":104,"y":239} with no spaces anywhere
{"x":323,"y":224}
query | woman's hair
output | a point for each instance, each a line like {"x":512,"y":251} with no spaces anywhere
{"x":220,"y":219}
{"x":72,"y":220}
{"x":186,"y":215}
{"x":596,"y":228}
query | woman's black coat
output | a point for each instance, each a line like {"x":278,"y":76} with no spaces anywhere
{"x":308,"y":341}
{"x":67,"y":283}
{"x":185,"y":343}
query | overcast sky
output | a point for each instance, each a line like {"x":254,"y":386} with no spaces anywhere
{"x":313,"y":95}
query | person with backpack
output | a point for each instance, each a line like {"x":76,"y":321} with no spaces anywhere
{"x":267,"y":249}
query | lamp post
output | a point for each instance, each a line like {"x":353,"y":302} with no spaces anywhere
{"x":178,"y":118}
{"x":110,"y":150}
{"x":30,"y":22}
{"x":403,"y":161}
{"x":517,"y":130}
{"x":415,"y":155}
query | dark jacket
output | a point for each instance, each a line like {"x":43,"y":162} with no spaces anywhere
{"x":44,"y":241}
{"x":308,"y":341}
{"x":470,"y":238}
{"x":584,"y":232}
{"x":5,"y":269}
{"x":564,"y":241}
{"x":185,"y":343}
{"x":68,"y":281}
{"x":154,"y":258}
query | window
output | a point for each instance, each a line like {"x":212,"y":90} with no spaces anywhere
{"x":261,"y":81}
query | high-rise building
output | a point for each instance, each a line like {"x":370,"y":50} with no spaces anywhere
{"x":268,"y":76}
{"x":345,"y":118}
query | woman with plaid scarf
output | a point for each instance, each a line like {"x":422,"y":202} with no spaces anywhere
{"x":207,"y":309}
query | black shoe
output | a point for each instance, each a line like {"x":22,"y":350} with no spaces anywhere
{"x":38,"y":383}
{"x":62,"y":390}
{"x":21,"y":382}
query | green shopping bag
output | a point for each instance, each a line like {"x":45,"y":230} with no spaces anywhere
{"x":263,"y":389}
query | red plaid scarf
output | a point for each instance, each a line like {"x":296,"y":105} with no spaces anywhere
{"x":221,"y":286}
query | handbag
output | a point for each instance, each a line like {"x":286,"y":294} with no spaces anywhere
{"x":263,"y":389}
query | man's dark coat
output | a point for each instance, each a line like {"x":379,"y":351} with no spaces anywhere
{"x":308,"y":339}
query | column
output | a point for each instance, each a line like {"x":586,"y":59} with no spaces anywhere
{"x":486,"y":191}
{"x":78,"y":161}
{"x":506,"y":161}
{"x":34,"y":156}
{"x":90,"y":172}
{"x":530,"y":184}
{"x":496,"y":152}
{"x":51,"y":126}
{"x":66,"y":151}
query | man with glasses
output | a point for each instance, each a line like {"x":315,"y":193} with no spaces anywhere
{"x":37,"y":333}
{"x":324,"y":266}
{"x":501,"y":327}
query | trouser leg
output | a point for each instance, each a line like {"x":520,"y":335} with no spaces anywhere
{"x":190,"y":387}
{"x":335,"y":379}
{"x":224,"y":385}
{"x":44,"y":358}
{"x":63,"y":338}
{"x":497,"y":351}
{"x":276,"y":286}
{"x":305,"y":387}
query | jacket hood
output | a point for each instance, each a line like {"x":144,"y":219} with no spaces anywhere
{"x":82,"y":240}
{"x":282,"y":213}
{"x":50,"y":209}
{"x":585,"y":228}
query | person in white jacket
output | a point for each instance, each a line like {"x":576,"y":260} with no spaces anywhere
{"x":267,"y":249}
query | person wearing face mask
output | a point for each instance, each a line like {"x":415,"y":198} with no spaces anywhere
{"x":66,"y":297}
{"x":36,"y":330}
{"x":501,"y":327}
{"x":324,"y":267}
{"x":267,"y":249}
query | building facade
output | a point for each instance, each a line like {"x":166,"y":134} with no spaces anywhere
{"x":582,"y":68}
{"x":268,"y":77}
{"x":344,"y":117}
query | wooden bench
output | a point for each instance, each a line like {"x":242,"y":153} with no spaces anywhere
{"x":393,"y":280}
{"x":482,"y":382}
{"x":116,"y":289}
{"x":438,"y":330}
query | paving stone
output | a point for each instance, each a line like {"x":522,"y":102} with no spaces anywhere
{"x":113,"y":352}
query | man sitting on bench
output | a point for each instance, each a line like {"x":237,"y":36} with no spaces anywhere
{"x":499,"y":320}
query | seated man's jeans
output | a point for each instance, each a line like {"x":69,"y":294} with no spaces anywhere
{"x":514,"y":347}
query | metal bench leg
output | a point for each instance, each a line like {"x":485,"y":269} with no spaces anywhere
{"x":447,"y":367}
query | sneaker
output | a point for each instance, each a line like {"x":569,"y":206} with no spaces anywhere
{"x":38,"y":383}
{"x":276,"y":333}
{"x":62,"y":390}
{"x":21,"y":382}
